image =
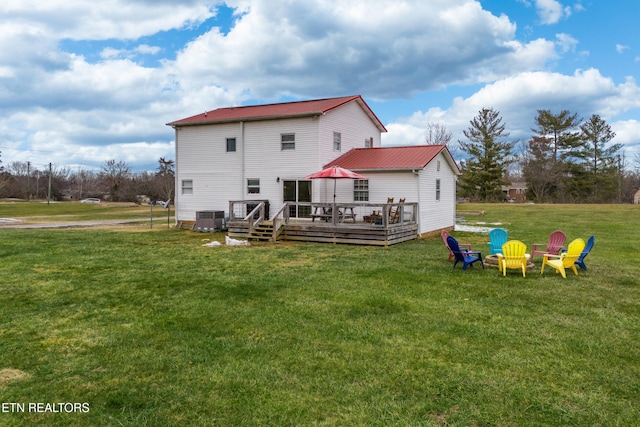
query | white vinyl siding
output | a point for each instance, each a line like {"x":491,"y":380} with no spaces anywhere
{"x":354,"y":127}
{"x":201,"y":156}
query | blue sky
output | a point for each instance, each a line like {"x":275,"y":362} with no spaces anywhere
{"x":82,"y":82}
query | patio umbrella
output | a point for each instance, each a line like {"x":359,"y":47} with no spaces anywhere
{"x":335,"y":172}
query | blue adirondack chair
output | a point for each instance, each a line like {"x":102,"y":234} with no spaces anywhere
{"x":580,"y":261}
{"x":498,"y":237}
{"x":465,"y":257}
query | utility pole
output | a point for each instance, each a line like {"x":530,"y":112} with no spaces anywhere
{"x":29,"y":181}
{"x":49,"y":192}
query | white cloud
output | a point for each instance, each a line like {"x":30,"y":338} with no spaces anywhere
{"x":106,"y":19}
{"x":620,"y":48}
{"x":518,"y":98}
{"x":566,"y":43}
{"x":318,"y":49}
{"x":627,"y":132}
{"x":551,"y":11}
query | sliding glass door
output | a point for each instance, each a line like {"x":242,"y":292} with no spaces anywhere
{"x":295,"y":191}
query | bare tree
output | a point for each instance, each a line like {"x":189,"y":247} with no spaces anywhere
{"x":166,"y":178}
{"x":116,"y":176}
{"x":437,"y":134}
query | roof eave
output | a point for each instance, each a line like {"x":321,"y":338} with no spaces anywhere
{"x":245,"y":119}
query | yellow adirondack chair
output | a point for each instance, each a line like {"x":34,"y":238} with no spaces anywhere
{"x":566,"y":259}
{"x":513,"y":256}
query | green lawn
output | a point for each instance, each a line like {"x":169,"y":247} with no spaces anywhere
{"x":149,"y":327}
{"x":43,"y":212}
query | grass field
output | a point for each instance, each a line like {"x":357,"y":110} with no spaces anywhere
{"x":148,"y":327}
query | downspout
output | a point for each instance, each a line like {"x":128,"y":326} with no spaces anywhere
{"x":177,"y":189}
{"x":417,"y":174}
{"x":242,"y":159}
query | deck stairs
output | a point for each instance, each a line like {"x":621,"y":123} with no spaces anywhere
{"x":264,"y":232}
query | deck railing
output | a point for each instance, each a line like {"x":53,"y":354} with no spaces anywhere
{"x":337,"y":214}
{"x":356,"y":223}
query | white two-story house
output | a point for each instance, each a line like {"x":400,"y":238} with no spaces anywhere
{"x":264,"y":153}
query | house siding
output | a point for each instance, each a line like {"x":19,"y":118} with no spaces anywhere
{"x":437,"y":214}
{"x":201,"y":157}
{"x":354,"y":126}
{"x":267,"y":161}
{"x":419,"y":186}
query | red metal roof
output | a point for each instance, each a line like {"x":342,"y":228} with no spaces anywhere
{"x":314,"y":107}
{"x":391,"y":158}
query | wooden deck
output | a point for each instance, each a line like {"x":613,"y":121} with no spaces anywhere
{"x":351,"y":223}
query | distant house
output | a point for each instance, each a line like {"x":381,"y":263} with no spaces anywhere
{"x":516,"y":191}
{"x":264,"y":152}
{"x":636,"y":198}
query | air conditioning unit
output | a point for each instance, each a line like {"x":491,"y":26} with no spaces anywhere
{"x":210,"y":221}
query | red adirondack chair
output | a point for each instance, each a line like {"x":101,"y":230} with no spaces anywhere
{"x":554,"y":246}
{"x":463,"y":246}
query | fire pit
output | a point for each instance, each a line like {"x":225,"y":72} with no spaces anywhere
{"x":492,"y":261}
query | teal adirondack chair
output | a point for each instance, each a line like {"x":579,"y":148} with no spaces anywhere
{"x":498,"y":237}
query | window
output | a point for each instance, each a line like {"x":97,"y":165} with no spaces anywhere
{"x":253,"y":186}
{"x":187,"y":186}
{"x":368,"y":142}
{"x":437,"y":189}
{"x":361,"y":190}
{"x":288,"y":141}
{"x":337,"y":141}
{"x":231,"y":145}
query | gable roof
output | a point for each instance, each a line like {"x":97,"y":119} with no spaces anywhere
{"x":284,"y":110}
{"x":393,"y":158}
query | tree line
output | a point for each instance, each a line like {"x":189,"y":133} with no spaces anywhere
{"x":566,"y":160}
{"x":115,"y":182}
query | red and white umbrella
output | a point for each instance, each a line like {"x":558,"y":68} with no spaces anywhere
{"x":335,"y":172}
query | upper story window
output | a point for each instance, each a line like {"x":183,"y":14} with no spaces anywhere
{"x":437,"y":189}
{"x":187,"y":186}
{"x":337,"y":141}
{"x":361,"y":190}
{"x":288,"y":141}
{"x":368,"y":142}
{"x":231,"y":145}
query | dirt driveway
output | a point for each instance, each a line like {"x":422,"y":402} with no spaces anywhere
{"x":15,"y":223}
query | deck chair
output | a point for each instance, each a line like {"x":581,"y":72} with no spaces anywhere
{"x":565,"y":259}
{"x":394,"y":213}
{"x":555,"y":245}
{"x":466,"y":258}
{"x":375,"y":215}
{"x":497,"y":237}
{"x":513,"y":255}
{"x":580,"y":261}
{"x":466,"y":247}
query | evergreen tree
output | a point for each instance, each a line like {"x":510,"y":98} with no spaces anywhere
{"x":489,"y":156}
{"x":600,"y":160}
{"x":551,"y":153}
